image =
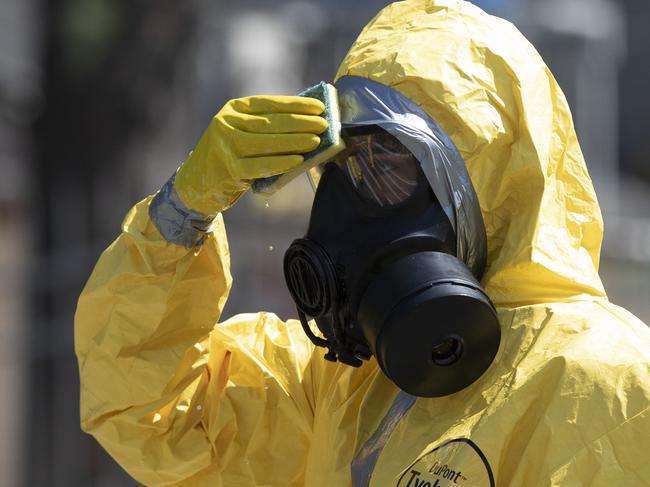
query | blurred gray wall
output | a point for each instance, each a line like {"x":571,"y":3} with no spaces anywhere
{"x":20,"y":99}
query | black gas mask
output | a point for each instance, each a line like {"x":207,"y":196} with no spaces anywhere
{"x":379,"y":273}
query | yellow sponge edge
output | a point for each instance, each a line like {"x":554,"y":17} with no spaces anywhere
{"x":331,"y":142}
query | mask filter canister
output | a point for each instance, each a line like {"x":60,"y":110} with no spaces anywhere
{"x":429,"y":324}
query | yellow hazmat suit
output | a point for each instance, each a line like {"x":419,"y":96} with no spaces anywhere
{"x":179,"y":398}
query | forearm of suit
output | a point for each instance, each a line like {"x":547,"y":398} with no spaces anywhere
{"x":168,"y":393}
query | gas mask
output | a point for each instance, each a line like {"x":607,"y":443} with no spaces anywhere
{"x":381,"y":268}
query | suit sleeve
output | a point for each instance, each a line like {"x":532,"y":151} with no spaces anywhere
{"x":173,"y":396}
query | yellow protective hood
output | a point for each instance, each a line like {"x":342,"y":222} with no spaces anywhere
{"x":493,"y":95}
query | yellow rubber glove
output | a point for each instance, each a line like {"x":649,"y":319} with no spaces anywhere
{"x":250,"y":138}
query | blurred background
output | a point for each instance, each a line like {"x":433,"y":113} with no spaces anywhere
{"x":100,"y":101}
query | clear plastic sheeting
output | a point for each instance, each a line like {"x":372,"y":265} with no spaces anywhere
{"x":365,"y":460}
{"x":365,"y":102}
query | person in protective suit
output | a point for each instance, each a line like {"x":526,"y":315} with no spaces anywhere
{"x":560,"y":398}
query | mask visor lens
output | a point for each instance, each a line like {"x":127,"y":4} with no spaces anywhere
{"x":379,"y":167}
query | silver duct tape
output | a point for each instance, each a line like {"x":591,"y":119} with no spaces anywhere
{"x":366,"y":102}
{"x":176,"y":222}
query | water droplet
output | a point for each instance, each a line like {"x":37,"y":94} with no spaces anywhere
{"x":270,"y":248}
{"x":199,"y":407}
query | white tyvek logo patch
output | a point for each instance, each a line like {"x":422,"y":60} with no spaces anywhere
{"x":458,"y":462}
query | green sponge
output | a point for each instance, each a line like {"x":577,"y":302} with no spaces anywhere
{"x":330,"y":141}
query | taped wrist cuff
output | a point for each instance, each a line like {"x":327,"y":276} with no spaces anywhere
{"x":176,"y":222}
